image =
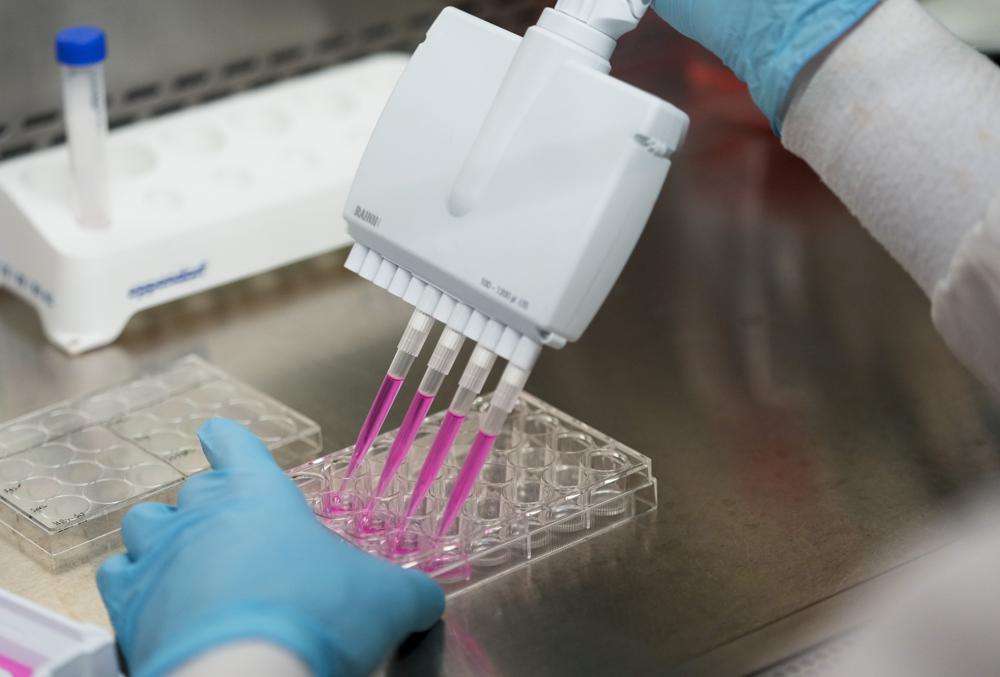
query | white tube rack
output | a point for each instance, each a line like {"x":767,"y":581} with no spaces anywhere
{"x":200,"y":197}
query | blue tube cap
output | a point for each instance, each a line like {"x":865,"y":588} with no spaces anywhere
{"x":81,"y":46}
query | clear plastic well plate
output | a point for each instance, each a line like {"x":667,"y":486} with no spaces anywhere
{"x":551,"y":482}
{"x":70,"y":471}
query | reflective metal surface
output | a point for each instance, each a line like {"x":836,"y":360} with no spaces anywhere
{"x":782,"y":372}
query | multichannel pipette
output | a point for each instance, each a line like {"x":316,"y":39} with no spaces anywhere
{"x":440,"y":365}
{"x":469,"y":387}
{"x":410,"y":345}
{"x":504,"y":187}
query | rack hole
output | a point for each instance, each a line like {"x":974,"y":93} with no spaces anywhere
{"x":142,"y":92}
{"x":120,"y":121}
{"x":377,"y":31}
{"x":286,"y":56}
{"x":216,"y":95}
{"x":15,"y":151}
{"x":353,"y":54}
{"x":171,"y":107}
{"x":41,"y":119}
{"x":402,"y":46}
{"x":263,"y":82}
{"x":331,"y":42}
{"x":241,"y":67}
{"x":311,"y":68}
{"x":189,"y":80}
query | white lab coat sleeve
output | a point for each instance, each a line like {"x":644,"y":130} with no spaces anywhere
{"x":244,"y":659}
{"x":941,"y":614}
{"x":902,"y":121}
{"x":966,"y":304}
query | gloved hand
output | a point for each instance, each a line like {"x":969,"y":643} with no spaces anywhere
{"x":766,"y":43}
{"x":242,"y":557}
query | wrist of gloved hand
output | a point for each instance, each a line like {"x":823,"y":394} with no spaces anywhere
{"x":298,"y":636}
{"x":247,"y":658}
{"x":766,"y":43}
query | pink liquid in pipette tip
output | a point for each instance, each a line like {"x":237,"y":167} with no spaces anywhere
{"x":381,"y":405}
{"x":436,"y":457}
{"x":414,"y":418}
{"x":478,"y":453}
{"x":8,"y":666}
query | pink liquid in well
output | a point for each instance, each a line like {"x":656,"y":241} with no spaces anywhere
{"x":381,"y":405}
{"x":405,"y":543}
{"x":478,"y":453}
{"x":414,"y":418}
{"x":336,"y":503}
{"x":436,"y":457}
{"x":370,"y":523}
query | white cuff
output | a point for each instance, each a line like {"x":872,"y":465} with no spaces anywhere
{"x":966,"y":304}
{"x":244,"y":659}
{"x":902,"y":121}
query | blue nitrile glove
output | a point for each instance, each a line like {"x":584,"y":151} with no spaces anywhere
{"x":766,"y":43}
{"x":242,"y":557}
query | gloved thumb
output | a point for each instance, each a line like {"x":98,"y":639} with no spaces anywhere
{"x":429,"y":601}
{"x":230,"y":446}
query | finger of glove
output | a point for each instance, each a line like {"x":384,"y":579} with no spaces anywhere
{"x":427,"y":601}
{"x":230,"y":446}
{"x":399,"y":602}
{"x":204,"y":488}
{"x":114,"y":582}
{"x":417,"y":601}
{"x":144,"y":526}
